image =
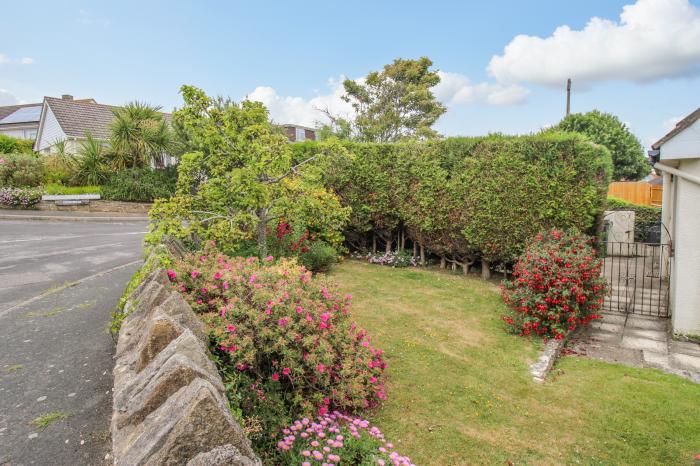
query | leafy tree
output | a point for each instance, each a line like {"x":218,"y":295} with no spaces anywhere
{"x":140,"y":136}
{"x":629,"y":162}
{"x":241,"y":177}
{"x":396,"y":103}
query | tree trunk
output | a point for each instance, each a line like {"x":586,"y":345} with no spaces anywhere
{"x":422,"y":255}
{"x":465,"y":267}
{"x":374,"y":243}
{"x":485,"y":269}
{"x":443,"y":263}
{"x":403,"y":239}
{"x":388,"y":245}
{"x":262,"y":232}
{"x":415,"y":249}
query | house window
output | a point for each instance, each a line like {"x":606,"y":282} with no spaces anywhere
{"x":300,"y":135}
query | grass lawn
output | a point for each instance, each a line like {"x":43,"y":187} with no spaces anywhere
{"x":460,"y":391}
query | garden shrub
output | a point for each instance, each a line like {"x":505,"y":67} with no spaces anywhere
{"x":59,"y":169}
{"x":313,"y":253}
{"x":337,"y":438}
{"x":283,"y":340}
{"x":10,"y":145}
{"x":19,"y":197}
{"x":140,"y":184}
{"x":557,"y":285}
{"x":20,"y":170}
{"x":319,"y":257}
{"x":645,"y":217}
{"x":393,"y":259}
{"x":469,"y":199}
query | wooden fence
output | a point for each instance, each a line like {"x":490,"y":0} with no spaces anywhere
{"x":637,"y":192}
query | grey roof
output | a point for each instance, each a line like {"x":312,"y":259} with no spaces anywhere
{"x":77,"y":117}
{"x":28,"y":114}
{"x":680,"y":126}
{"x":10,"y":109}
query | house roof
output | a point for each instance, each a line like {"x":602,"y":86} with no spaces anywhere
{"x":10,"y":109}
{"x":26,"y":114}
{"x":77,"y":117}
{"x":680,"y":126}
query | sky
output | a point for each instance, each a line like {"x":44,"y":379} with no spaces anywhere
{"x":503,"y":64}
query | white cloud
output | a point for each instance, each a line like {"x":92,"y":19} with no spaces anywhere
{"x":456,"y":89}
{"x":27,"y":61}
{"x":4,"y":58}
{"x":288,"y":109}
{"x":653,"y":40}
{"x":7,"y":98}
{"x":453,"y":90}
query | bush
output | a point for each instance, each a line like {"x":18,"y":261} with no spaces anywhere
{"x":20,"y":170}
{"x":283,"y":340}
{"x":319,"y":257}
{"x":19,"y":197}
{"x":91,"y":167}
{"x":393,"y":259}
{"x":57,"y":189}
{"x":557,"y":285}
{"x":140,"y":184}
{"x":313,"y":253}
{"x":59,"y":169}
{"x":337,"y":439}
{"x":645,"y":217}
{"x":10,"y":145}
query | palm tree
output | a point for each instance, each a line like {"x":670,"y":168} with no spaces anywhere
{"x":140,"y":136}
{"x":91,"y":168}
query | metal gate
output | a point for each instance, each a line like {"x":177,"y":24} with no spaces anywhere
{"x":639,"y":276}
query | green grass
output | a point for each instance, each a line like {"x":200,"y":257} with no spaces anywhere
{"x":56,"y":189}
{"x":460,"y":391}
{"x":14,"y":368}
{"x":43,"y":421}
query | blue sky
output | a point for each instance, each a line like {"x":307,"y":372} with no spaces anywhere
{"x":642,"y":67}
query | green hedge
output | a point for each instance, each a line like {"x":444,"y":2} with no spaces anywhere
{"x":20,"y":170}
{"x":10,"y":145}
{"x":469,"y":199}
{"x":140,"y":184}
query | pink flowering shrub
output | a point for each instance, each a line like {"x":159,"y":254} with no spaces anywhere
{"x":557,"y":285}
{"x":336,"y":439}
{"x":284,"y":340}
{"x":19,"y":197}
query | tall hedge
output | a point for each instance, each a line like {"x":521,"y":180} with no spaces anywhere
{"x":470,"y":199}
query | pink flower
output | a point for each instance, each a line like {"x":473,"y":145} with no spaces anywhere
{"x":275,"y":376}
{"x":217,"y":275}
{"x":269,"y":258}
{"x":322,"y":412}
{"x":286,"y":371}
{"x":282,"y":322}
{"x":320,"y":367}
{"x":325,"y":316}
{"x":225,"y":285}
{"x":231,"y":328}
{"x":171,"y":274}
{"x":299,"y":309}
{"x":306,"y":453}
{"x":194,"y":274}
{"x":252,"y":278}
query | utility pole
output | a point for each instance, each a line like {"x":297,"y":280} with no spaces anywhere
{"x":568,"y":96}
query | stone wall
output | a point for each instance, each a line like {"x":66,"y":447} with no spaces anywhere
{"x":141,"y":208}
{"x":169,"y":403}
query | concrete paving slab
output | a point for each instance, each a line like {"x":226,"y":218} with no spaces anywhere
{"x":685,"y":362}
{"x":644,"y":344}
{"x":628,"y":356}
{"x":656,"y":335}
{"x":647,"y":323}
{"x":613,"y":319}
{"x":685,"y":347}
{"x":656,"y":360}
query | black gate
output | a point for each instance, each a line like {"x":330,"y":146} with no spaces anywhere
{"x":638,"y":275}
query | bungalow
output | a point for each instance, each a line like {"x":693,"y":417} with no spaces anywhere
{"x":677,"y":157}
{"x":298,"y":133}
{"x":20,"y":121}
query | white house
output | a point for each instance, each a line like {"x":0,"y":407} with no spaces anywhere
{"x":678,"y":155}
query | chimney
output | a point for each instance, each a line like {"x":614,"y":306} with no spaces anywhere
{"x":67,"y":97}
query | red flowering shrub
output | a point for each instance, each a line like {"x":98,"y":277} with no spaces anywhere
{"x":556,"y":286}
{"x":284,"y":339}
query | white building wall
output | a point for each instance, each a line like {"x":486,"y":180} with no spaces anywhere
{"x":51,"y":133}
{"x":685,"y":276}
{"x":685,"y":144}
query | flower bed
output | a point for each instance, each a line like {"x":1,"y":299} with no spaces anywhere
{"x":19,"y":197}
{"x":283,"y":340}
{"x":392,"y":259}
{"x":337,"y":439}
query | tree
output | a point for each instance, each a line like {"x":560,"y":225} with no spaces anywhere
{"x":629,"y":162}
{"x":241,"y":177}
{"x":396,"y":103}
{"x":91,"y":169}
{"x":140,"y":136}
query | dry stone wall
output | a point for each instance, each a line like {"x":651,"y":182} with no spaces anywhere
{"x":169,"y":403}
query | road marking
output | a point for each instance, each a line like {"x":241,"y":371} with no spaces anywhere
{"x":68,"y":285}
{"x":57,"y":238}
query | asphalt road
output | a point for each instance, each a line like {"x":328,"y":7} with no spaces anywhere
{"x":59,"y":282}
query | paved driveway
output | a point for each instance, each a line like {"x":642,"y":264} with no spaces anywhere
{"x":59,"y":282}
